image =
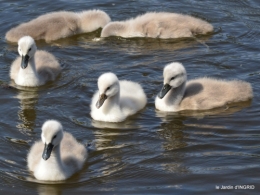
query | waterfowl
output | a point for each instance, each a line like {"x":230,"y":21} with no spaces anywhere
{"x":198,"y":94}
{"x":158,"y":25}
{"x":57,"y":156}
{"x":115,"y":100}
{"x":61,"y":24}
{"x":33,"y":67}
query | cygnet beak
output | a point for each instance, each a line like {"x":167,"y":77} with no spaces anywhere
{"x":101,"y":100}
{"x":164,"y":91}
{"x":25,"y":61}
{"x":47,"y":151}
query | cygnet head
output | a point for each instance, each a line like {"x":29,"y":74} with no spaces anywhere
{"x":174,"y":75}
{"x":26,"y":49}
{"x":113,"y":29}
{"x":108,"y":86}
{"x":52,"y":134}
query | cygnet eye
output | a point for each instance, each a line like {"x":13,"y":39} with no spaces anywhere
{"x":54,"y":136}
{"x":29,"y":49}
{"x":108,"y":88}
{"x":172,"y":78}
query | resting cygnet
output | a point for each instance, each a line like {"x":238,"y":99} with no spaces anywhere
{"x":57,"y":156}
{"x":56,"y":25}
{"x":158,"y":25}
{"x":116,"y":99}
{"x":198,"y":94}
{"x":33,"y":68}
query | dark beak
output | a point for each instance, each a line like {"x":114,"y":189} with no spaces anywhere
{"x":164,"y":91}
{"x":25,"y":60}
{"x":101,"y":100}
{"x":47,"y":151}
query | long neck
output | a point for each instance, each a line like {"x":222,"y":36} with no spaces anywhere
{"x":111,"y":102}
{"x":29,"y":75}
{"x":174,"y":97}
{"x":30,"y":69}
{"x":55,"y":157}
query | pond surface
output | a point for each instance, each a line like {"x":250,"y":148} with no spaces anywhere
{"x":151,"y":152}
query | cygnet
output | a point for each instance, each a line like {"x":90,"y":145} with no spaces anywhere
{"x":198,"y":94}
{"x":158,"y":25}
{"x":57,"y":156}
{"x":33,"y":67}
{"x":116,"y":100}
{"x":61,"y":24}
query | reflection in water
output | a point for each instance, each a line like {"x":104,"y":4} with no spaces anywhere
{"x":175,"y":167}
{"x":106,"y":136}
{"x":49,"y":190}
{"x":172,"y":126}
{"x":107,"y":125}
{"x":27,"y":114}
{"x":172,"y":133}
{"x":146,"y":45}
{"x":175,"y":138}
{"x":107,"y":146}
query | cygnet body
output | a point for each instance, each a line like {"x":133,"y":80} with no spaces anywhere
{"x":115,"y":100}
{"x":57,"y":156}
{"x":33,"y":67}
{"x":56,"y":25}
{"x":158,"y":25}
{"x":198,"y":94}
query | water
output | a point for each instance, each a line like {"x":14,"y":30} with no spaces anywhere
{"x":151,"y":152}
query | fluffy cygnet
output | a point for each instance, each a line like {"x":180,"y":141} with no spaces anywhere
{"x":158,"y":25}
{"x":198,"y":94}
{"x":115,"y":100}
{"x":56,"y":25}
{"x":57,"y":156}
{"x":33,"y":68}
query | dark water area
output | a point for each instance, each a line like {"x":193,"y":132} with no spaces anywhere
{"x":151,"y":152}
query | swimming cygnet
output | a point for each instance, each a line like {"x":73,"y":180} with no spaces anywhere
{"x":198,"y":94}
{"x":57,"y":156}
{"x":56,"y":25}
{"x":115,"y":100}
{"x":158,"y":25}
{"x":33,"y":68}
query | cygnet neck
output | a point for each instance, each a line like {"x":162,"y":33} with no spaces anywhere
{"x":31,"y":65}
{"x":111,"y":102}
{"x":55,"y":155}
{"x":30,"y":71}
{"x":175,"y":95}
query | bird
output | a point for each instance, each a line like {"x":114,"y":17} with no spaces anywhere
{"x":198,"y":94}
{"x":33,"y":67}
{"x":162,"y":25}
{"x":116,"y":100}
{"x":57,"y":25}
{"x":57,"y":156}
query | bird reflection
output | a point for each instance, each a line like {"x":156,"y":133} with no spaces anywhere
{"x":28,"y":98}
{"x":128,"y":124}
{"x":146,"y":45}
{"x":107,"y":145}
{"x":173,"y":122}
{"x":49,"y":189}
{"x":175,"y":132}
{"x":172,"y":131}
